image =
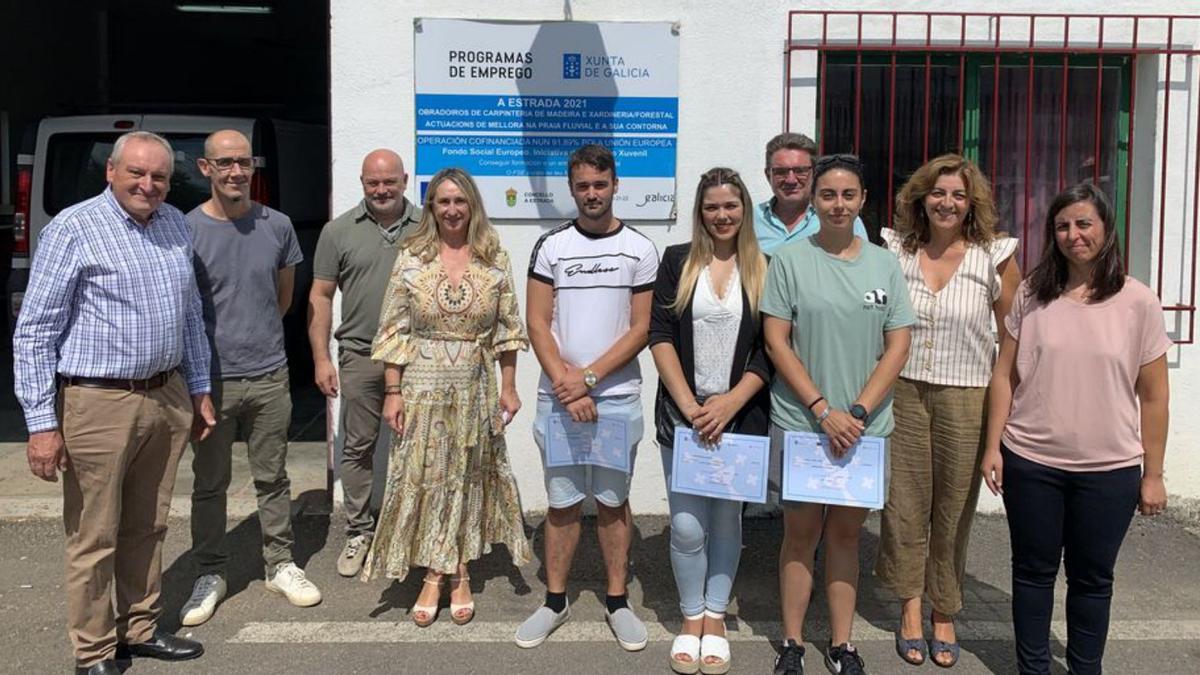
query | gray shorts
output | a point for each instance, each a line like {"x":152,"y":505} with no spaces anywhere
{"x":569,"y":485}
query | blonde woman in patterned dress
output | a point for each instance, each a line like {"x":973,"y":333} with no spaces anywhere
{"x":449,"y":315}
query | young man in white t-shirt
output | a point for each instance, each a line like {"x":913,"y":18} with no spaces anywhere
{"x":588,"y":304}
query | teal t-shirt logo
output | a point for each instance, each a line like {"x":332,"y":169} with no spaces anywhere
{"x":876,"y":299}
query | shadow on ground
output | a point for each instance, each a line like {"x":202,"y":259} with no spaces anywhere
{"x":243,"y":543}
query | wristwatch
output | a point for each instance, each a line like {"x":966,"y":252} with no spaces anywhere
{"x":589,"y":379}
{"x":858,"y":412}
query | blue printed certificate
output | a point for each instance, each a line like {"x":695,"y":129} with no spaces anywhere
{"x":812,"y":474}
{"x":604,"y":442}
{"x":735,"y":468}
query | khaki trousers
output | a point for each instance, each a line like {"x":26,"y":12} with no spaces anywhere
{"x":123,"y":448}
{"x":361,"y":386}
{"x":261,"y":408}
{"x":936,"y":449}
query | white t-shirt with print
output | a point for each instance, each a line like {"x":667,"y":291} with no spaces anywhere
{"x":594,"y":279}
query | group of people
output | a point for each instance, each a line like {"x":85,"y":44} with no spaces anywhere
{"x":143,"y":328}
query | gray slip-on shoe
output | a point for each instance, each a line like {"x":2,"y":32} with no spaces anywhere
{"x":629,"y":630}
{"x":540,"y":625}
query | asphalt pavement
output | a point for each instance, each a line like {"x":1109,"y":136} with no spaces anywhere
{"x":365,"y":627}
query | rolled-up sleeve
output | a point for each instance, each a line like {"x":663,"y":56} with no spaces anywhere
{"x":391,"y":343}
{"x":510,"y":330}
{"x":44,"y":316}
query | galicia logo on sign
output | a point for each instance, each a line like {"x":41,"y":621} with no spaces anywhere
{"x":612,"y":67}
{"x":572,"y":66}
{"x":656,"y":197}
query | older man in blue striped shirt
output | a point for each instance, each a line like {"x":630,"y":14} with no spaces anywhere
{"x":112,"y":369}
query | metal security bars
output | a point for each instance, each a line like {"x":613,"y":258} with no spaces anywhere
{"x":1039,"y":101}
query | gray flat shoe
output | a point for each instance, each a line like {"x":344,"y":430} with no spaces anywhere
{"x":904,"y":646}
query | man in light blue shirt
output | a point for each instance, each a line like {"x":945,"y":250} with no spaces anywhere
{"x":789,"y":216}
{"x":112,"y":369}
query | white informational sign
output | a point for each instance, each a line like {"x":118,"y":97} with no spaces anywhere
{"x":510,"y":101}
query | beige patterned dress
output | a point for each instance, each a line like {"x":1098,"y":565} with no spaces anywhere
{"x":450,"y":491}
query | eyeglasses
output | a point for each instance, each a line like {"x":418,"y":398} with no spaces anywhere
{"x":783,"y":171}
{"x":225,"y":164}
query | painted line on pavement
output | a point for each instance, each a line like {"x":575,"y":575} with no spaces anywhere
{"x":18,"y":508}
{"x":308,"y":632}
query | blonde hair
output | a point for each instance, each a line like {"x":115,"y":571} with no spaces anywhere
{"x":751,"y":263}
{"x":424,"y":241}
{"x":912,"y":223}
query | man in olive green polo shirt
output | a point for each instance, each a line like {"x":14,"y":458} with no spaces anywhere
{"x":355,"y":254}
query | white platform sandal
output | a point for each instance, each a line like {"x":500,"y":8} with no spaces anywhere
{"x":685,"y":645}
{"x":714,"y":650}
{"x":689,"y":646}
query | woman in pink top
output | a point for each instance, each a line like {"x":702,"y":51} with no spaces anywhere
{"x":1082,"y":368}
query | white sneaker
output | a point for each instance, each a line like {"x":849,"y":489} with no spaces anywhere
{"x":207,"y":592}
{"x":290,"y":582}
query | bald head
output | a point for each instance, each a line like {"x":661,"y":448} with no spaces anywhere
{"x":384,"y":181}
{"x":226,"y":139}
{"x":383,"y":160}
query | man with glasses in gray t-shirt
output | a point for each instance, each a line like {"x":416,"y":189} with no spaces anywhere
{"x":355,"y":255}
{"x":244,"y":254}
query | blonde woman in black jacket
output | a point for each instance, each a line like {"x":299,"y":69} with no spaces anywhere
{"x":706,"y":343}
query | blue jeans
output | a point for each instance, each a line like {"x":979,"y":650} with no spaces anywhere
{"x":706,"y":546}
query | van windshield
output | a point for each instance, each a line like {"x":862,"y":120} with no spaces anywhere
{"x":75,"y":170}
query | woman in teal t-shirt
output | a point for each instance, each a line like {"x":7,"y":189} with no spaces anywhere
{"x":836,"y":314}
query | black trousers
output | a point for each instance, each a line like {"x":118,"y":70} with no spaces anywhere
{"x":1079,"y":518}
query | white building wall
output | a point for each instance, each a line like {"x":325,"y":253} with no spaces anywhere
{"x":731,"y":101}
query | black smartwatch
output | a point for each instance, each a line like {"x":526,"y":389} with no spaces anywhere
{"x":858,"y":412}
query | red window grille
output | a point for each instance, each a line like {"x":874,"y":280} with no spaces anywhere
{"x":900,"y":87}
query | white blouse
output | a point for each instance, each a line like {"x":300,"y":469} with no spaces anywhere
{"x":953,"y":341}
{"x":715,"y":322}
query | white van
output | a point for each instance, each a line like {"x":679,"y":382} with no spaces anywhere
{"x":66,"y":164}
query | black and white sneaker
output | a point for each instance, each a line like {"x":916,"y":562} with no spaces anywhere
{"x":844,"y":660}
{"x":790,"y":660}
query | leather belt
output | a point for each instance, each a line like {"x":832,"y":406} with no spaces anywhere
{"x":152,"y":382}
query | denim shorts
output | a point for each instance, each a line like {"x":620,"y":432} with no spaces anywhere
{"x":569,"y":485}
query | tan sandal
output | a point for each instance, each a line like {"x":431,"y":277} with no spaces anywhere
{"x":455,"y":608}
{"x":429,"y":611}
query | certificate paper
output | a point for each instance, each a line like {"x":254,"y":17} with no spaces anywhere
{"x":735,"y":468}
{"x":600,"y":443}
{"x":812,"y":474}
